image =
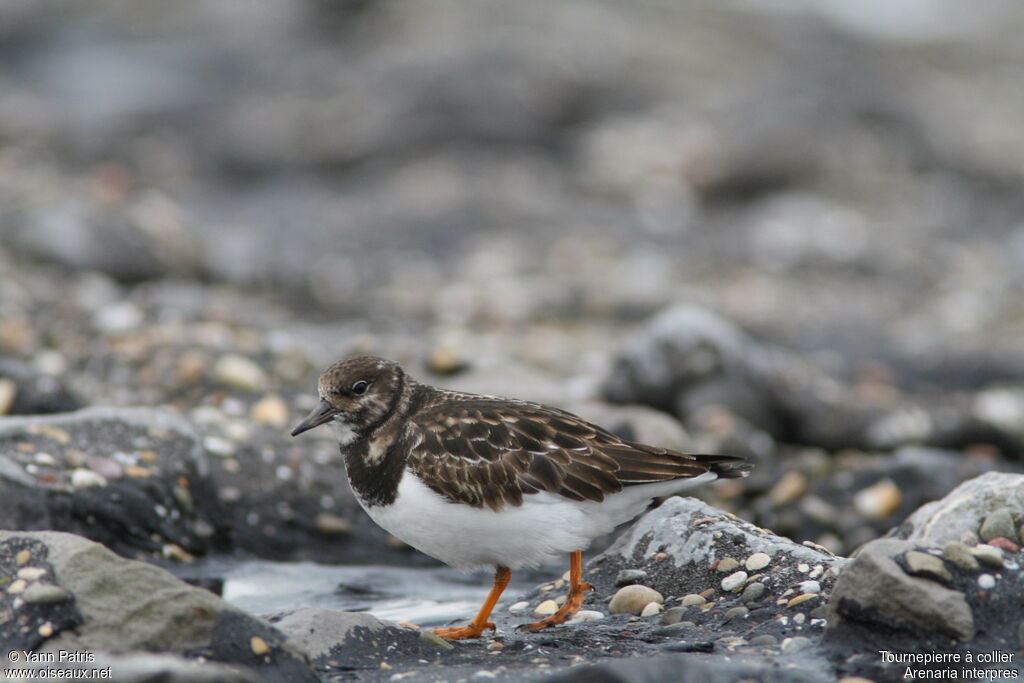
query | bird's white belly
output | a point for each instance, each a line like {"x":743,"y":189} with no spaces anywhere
{"x":541,"y":530}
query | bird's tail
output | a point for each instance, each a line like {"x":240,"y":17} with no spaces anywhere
{"x":726,"y":466}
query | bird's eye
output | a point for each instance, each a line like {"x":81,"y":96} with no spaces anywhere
{"x":360,"y":387}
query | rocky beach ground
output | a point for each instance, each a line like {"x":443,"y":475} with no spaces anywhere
{"x":790,"y":235}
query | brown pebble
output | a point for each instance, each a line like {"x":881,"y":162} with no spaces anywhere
{"x":1004,"y":543}
{"x":707,"y":594}
{"x":660,"y":557}
{"x":46,"y":630}
{"x":258,"y":646}
{"x":803,"y":597}
{"x":137,"y":472}
{"x":727,"y":564}
{"x":22,"y":557}
{"x":789,"y":488}
{"x":331,"y":524}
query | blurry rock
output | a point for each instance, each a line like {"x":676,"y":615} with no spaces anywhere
{"x":26,"y":391}
{"x":965,"y":508}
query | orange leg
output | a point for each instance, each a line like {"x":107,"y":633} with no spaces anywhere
{"x":577,"y":589}
{"x":501,"y":578}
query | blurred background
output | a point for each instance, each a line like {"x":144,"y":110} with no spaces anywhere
{"x":204,"y":202}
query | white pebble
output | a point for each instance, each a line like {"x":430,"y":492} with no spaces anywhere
{"x":734,"y":581}
{"x":239,"y":372}
{"x":31,"y":573}
{"x":519,"y":606}
{"x":546,"y":608}
{"x":587,"y":615}
{"x":817,"y":571}
{"x":82,"y":478}
{"x":808,"y":587}
{"x":986,"y":581}
{"x":799,"y":618}
{"x":757,"y":561}
{"x":650,"y":609}
{"x":219,"y":446}
{"x":803,"y":568}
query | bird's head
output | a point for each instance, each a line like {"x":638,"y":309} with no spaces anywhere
{"x":356,"y":395}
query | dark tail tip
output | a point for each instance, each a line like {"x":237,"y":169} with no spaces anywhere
{"x":727,"y":466}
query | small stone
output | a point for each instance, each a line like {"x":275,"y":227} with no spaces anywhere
{"x":988,"y":554}
{"x":546,"y":608}
{"x":799,"y":618}
{"x":1004,"y":543}
{"x":764,"y":641}
{"x":707,"y":606}
{"x":753,"y":592}
{"x":878,"y":501}
{"x":707,"y":593}
{"x":809,"y":587}
{"x":928,"y":566}
{"x":17,"y":586}
{"x":789,"y":488}
{"x":960,"y":555}
{"x":331,"y":524}
{"x":239,"y":372}
{"x":520,"y":606}
{"x":434,"y":639}
{"x":137,"y":472}
{"x":632,"y":599}
{"x":627,"y":577}
{"x":727,"y":564}
{"x":44,"y":593}
{"x":82,"y":478}
{"x":271,"y":411}
{"x":803,"y":568}
{"x":8,"y":392}
{"x":22,"y":557}
{"x":692,"y":599}
{"x":585,"y":615}
{"x":497,"y":645}
{"x":757,"y":561}
{"x":734,"y":581}
{"x":999,"y":523}
{"x":45,"y":630}
{"x":735,"y":612}
{"x":258,"y":646}
{"x":986,"y":581}
{"x":218,"y":445}
{"x":650,"y":609}
{"x":31,"y":573}
{"x":673,"y":615}
{"x":802,"y":598}
{"x":969,"y":538}
{"x":173,"y":551}
{"x":795,"y":644}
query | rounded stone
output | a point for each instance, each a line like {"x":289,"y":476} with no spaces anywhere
{"x":585,"y":615}
{"x":82,"y":478}
{"x":800,"y":599}
{"x":735,"y":612}
{"x":632,"y":599}
{"x":546,"y":608}
{"x":673,"y":615}
{"x":809,"y":587}
{"x":988,"y":555}
{"x":879,"y":500}
{"x":519,"y":606}
{"x":727,"y":564}
{"x":957,"y":553}
{"x":734,"y":581}
{"x":258,"y":646}
{"x":650,"y":609}
{"x":926,"y":565}
{"x":1004,"y":544}
{"x":757,"y":561}
{"x":753,"y":592}
{"x":239,"y":372}
{"x":764,"y":640}
{"x":999,"y":523}
{"x":692,"y":599}
{"x":628,"y":577}
{"x":795,"y":644}
{"x":271,"y":411}
{"x":44,"y":593}
{"x":986,"y":581}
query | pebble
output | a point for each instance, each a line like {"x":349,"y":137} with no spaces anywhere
{"x":650,"y":609}
{"x":258,"y":646}
{"x":799,"y":618}
{"x":988,"y":554}
{"x":673,"y":615}
{"x":22,"y":557}
{"x":734,"y":581}
{"x":82,"y":478}
{"x":218,"y":445}
{"x":692,"y":599}
{"x":986,"y":581}
{"x":44,"y":593}
{"x":809,"y":587}
{"x":757,"y":561}
{"x":1004,"y":543}
{"x":434,"y":639}
{"x":789,"y":488}
{"x":331,"y":524}
{"x":546,"y":608}
{"x":8,"y":392}
{"x":878,"y":501}
{"x":585,"y":615}
{"x":271,"y":411}
{"x":628,"y":577}
{"x":31,"y":573}
{"x":795,"y":644}
{"x":519,"y":606}
{"x":727,"y":564}
{"x":119,"y":316}
{"x":999,"y":523}
{"x":45,"y":630}
{"x":632,"y":599}
{"x":803,"y":568}
{"x":969,"y":538}
{"x":764,"y":641}
{"x":804,"y":597}
{"x":707,"y":593}
{"x":735,"y":612}
{"x":926,"y":565}
{"x":957,"y":553}
{"x":239,"y":372}
{"x":753,"y":592}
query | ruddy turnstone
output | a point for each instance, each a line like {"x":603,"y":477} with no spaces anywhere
{"x":479,"y":481}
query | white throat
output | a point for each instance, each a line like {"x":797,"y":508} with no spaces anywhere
{"x":346,"y":435}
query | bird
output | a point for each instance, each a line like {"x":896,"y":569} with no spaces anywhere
{"x":483,"y":482}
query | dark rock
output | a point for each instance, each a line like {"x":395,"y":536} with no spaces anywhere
{"x":630,"y":576}
{"x":36,"y":393}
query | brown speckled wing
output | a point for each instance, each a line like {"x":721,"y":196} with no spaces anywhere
{"x":491,"y":452}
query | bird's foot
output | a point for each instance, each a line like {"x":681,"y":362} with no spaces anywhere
{"x":473,"y":630}
{"x":571,"y":606}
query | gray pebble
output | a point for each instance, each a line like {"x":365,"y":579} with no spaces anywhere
{"x":999,"y":523}
{"x":959,"y":554}
{"x":988,"y":554}
{"x":735,"y":612}
{"x":434,"y":639}
{"x":630,"y":576}
{"x":819,"y":612}
{"x":673,"y":615}
{"x":753,"y":592}
{"x":40,"y":593}
{"x":764,"y":641}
